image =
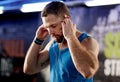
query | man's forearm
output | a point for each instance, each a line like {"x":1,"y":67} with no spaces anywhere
{"x":31,"y":58}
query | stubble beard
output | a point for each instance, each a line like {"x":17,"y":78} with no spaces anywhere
{"x":60,"y":39}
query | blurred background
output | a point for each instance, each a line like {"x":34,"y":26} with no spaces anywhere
{"x":19,"y":20}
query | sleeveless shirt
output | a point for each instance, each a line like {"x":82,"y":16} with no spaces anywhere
{"x":62,"y":68}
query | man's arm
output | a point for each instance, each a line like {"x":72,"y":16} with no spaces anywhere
{"x":84,"y":55}
{"x":36,"y":59}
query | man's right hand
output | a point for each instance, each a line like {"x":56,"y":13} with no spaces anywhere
{"x":41,"y":32}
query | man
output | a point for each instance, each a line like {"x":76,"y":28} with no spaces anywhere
{"x":72,"y":55}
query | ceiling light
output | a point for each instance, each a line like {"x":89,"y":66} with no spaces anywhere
{"x":1,"y":9}
{"x":102,"y":2}
{"x":34,"y":7}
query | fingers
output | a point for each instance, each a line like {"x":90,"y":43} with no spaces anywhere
{"x":41,"y":32}
{"x":41,"y":29}
{"x":41,"y":26}
{"x":67,"y":21}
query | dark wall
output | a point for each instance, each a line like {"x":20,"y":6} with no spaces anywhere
{"x":17,"y":30}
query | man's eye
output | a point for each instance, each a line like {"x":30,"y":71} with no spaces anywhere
{"x":54,"y":26}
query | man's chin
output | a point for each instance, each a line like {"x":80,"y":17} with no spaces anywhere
{"x":60,"y":40}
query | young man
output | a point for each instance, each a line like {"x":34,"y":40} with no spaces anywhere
{"x":72,"y":55}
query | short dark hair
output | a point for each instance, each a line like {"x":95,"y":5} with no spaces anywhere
{"x":56,"y":8}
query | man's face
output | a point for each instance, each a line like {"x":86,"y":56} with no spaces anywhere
{"x":53,"y":24}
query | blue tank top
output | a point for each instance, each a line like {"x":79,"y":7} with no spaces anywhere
{"x":62,"y":68}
